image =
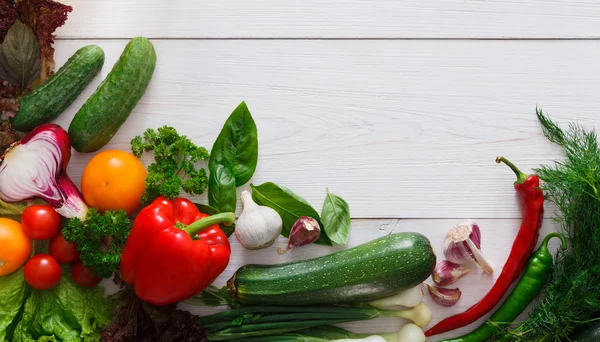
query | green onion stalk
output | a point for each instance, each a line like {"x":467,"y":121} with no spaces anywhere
{"x":276,"y":321}
{"x":329,"y":333}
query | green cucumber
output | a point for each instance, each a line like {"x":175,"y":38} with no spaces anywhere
{"x":373,"y":270}
{"x":106,"y":110}
{"x":46,"y":102}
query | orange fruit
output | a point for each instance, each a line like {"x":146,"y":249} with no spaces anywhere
{"x":15,"y":246}
{"x":113,"y":180}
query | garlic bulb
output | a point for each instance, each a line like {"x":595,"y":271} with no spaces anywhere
{"x":258,"y":226}
{"x":463,"y":245}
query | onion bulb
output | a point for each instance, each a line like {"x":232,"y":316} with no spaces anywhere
{"x":35,"y":167}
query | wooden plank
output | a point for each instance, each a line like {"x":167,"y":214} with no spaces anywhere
{"x":400,"y":129}
{"x":497,"y":237}
{"x":333,"y":19}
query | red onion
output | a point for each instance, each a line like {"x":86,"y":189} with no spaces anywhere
{"x":36,"y":167}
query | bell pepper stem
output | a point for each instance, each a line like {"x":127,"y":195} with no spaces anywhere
{"x":198,"y":226}
{"x":521,"y":177}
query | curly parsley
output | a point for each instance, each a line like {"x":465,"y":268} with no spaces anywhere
{"x":174,"y":168}
{"x":100,"y":239}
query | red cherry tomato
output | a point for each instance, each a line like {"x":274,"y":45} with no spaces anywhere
{"x":42,"y":272}
{"x":40,"y":222}
{"x":62,"y":250}
{"x":83,"y":275}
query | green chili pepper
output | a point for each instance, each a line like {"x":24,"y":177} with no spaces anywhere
{"x":529,"y":287}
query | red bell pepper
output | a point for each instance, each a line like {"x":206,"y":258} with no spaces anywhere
{"x":174,"y":251}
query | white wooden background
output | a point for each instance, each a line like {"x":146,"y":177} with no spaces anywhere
{"x":398,"y":106}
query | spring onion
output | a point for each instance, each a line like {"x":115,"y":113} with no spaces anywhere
{"x":255,"y":321}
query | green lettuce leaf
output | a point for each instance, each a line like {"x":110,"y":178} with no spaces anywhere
{"x":13,"y":291}
{"x":67,"y":313}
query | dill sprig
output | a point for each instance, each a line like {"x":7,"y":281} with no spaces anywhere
{"x":572,"y":296}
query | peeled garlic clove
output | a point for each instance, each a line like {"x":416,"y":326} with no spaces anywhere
{"x":446,"y":273}
{"x":305,"y":230}
{"x":442,"y":296}
{"x":258,"y":226}
{"x":462,"y":245}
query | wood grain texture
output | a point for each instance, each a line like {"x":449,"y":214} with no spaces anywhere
{"x":399,"y":129}
{"x":333,"y":19}
{"x":497,"y":237}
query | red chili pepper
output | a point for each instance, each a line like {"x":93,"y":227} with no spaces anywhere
{"x":174,"y":251}
{"x":532,"y":203}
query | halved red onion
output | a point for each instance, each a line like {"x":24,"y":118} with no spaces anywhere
{"x":36,"y":167}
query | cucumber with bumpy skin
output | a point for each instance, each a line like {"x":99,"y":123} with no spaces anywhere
{"x":373,"y":270}
{"x":49,"y":100}
{"x":106,"y":110}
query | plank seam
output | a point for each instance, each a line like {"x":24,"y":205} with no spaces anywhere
{"x":342,"y":38}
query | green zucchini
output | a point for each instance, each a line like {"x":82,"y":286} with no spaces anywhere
{"x":589,"y":334}
{"x":46,"y":102}
{"x":373,"y":270}
{"x":106,"y":110}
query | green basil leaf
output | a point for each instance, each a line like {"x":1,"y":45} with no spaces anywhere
{"x":228,"y":230}
{"x":20,"y":56}
{"x":238,"y":145}
{"x":288,"y":205}
{"x":211,"y":296}
{"x":336,"y":218}
{"x":221,"y":189}
{"x":207,"y":209}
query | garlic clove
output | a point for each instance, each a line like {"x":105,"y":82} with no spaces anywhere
{"x":446,"y":273}
{"x":442,"y":296}
{"x":305,"y":230}
{"x":258,"y":226}
{"x":463,"y":245}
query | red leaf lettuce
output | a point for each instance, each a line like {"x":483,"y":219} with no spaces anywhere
{"x":43,"y":17}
